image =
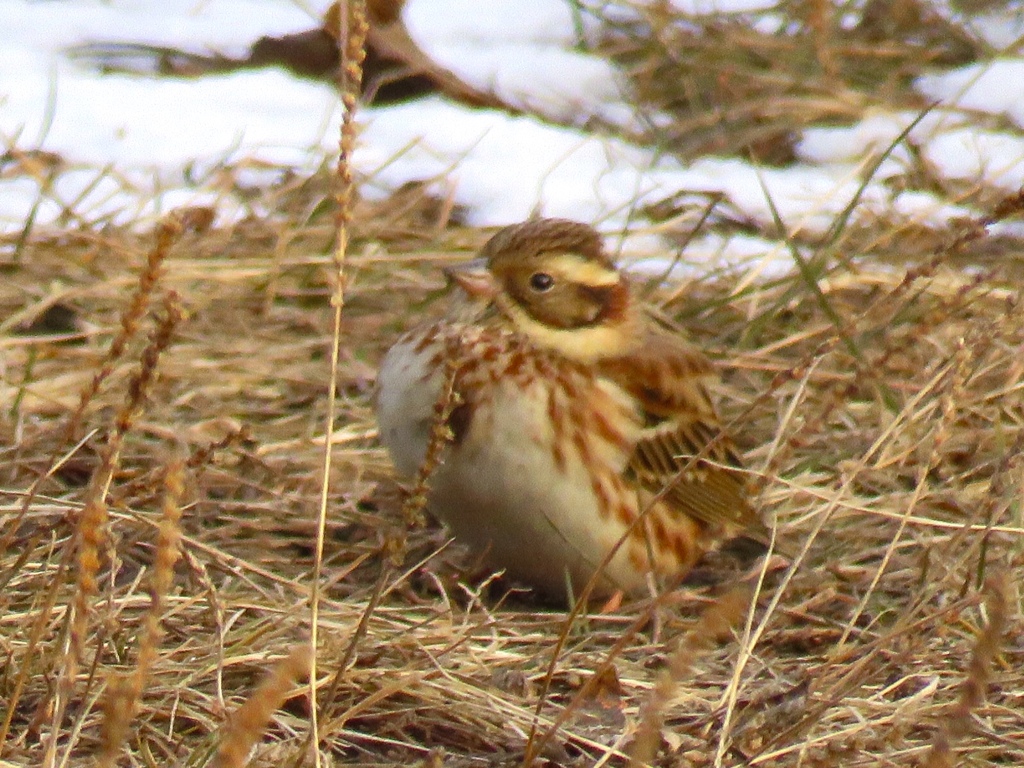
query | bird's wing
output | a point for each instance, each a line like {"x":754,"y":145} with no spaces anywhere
{"x":669,"y":378}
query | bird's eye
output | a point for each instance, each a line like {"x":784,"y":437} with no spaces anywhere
{"x":541,"y":281}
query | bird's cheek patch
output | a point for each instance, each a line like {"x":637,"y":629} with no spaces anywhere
{"x":608,"y":302}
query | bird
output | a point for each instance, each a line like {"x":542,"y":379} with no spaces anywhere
{"x":580,"y":439}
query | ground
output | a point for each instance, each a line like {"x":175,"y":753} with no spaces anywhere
{"x":876,"y":390}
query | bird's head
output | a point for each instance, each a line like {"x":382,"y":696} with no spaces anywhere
{"x":553,"y":282}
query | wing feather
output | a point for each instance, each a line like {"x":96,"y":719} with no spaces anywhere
{"x":669,"y":380}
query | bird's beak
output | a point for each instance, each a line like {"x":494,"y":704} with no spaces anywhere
{"x":474,"y":278}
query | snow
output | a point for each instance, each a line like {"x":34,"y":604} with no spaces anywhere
{"x":171,"y":123}
{"x":871,"y":135}
{"x":228,"y":26}
{"x":131,"y":146}
{"x":505,"y":168}
{"x":1001,"y":25}
{"x":953,"y":145}
{"x":522,"y":50}
{"x":993,"y":87}
{"x":716,"y":252}
{"x":995,"y":157}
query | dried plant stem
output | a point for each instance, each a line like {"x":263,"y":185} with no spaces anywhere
{"x":92,"y":522}
{"x":714,"y":625}
{"x":972,"y":690}
{"x":537,"y":742}
{"x":197,"y":460}
{"x":953,"y":373}
{"x":249,"y":721}
{"x":93,"y":518}
{"x":123,"y":691}
{"x":1009,"y":206}
{"x":168,"y":232}
{"x":440,"y":435}
{"x":353,"y":28}
{"x":819,"y":19}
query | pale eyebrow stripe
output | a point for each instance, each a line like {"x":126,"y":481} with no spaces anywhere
{"x":583,"y":270}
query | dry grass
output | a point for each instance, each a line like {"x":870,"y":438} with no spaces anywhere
{"x":881,"y":408}
{"x":895,"y":472}
{"x":736,"y":88}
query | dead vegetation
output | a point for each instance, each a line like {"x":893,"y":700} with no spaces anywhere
{"x":164,"y":398}
{"x":737,"y":87}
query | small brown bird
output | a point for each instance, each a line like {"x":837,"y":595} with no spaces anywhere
{"x":573,"y":416}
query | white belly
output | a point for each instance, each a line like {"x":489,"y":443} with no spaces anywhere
{"x":499,"y":486}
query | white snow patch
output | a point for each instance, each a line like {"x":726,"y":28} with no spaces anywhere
{"x":228,"y":26}
{"x":506,"y":168}
{"x":992,"y":157}
{"x":134,"y":146}
{"x":522,"y":50}
{"x":994,"y":87}
{"x":1000,"y":27}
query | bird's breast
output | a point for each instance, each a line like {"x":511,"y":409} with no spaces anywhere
{"x":533,"y":472}
{"x":503,"y":389}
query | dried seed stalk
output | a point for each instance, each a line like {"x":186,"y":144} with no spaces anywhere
{"x":353,"y":28}
{"x":123,"y":691}
{"x":168,"y":231}
{"x":92,"y":521}
{"x":979,"y":671}
{"x":440,"y":435}
{"x":249,"y":721}
{"x":91,"y":533}
{"x":714,"y":625}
